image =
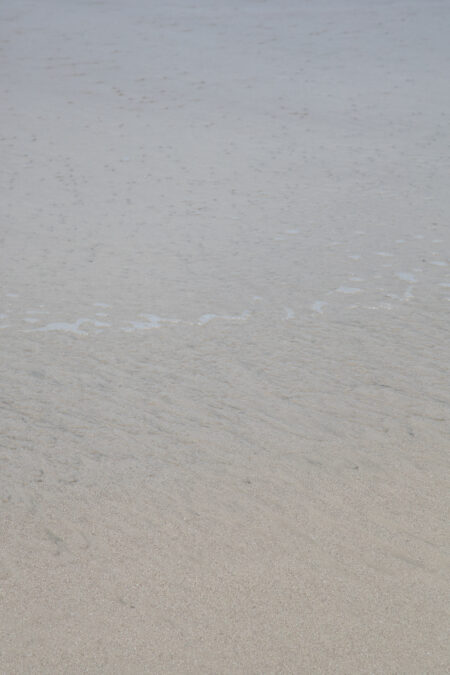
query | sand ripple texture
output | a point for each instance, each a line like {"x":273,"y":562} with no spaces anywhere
{"x":224,"y":334}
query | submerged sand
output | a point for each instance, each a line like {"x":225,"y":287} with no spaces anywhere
{"x":224,"y":330}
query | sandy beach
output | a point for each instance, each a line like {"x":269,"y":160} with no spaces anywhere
{"x":224,"y":337}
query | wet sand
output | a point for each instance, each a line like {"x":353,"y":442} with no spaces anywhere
{"x":224,"y":333}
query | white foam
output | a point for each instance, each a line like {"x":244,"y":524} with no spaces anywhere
{"x":65,"y":327}
{"x":30,"y":319}
{"x":152,"y":321}
{"x":444,"y":284}
{"x":289,"y":313}
{"x":206,"y":318}
{"x":101,"y":304}
{"x":384,"y":254}
{"x":140,"y":325}
{"x":292,"y":231}
{"x":70,"y":327}
{"x":440,"y":263}
{"x":240,"y":317}
{"x":355,"y":257}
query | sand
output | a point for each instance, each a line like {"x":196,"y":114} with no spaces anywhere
{"x":224,"y":328}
